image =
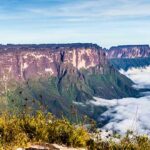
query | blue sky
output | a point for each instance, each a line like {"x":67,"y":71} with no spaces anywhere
{"x":105,"y":22}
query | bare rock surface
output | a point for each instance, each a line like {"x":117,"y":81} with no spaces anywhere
{"x":49,"y":147}
{"x":23,"y":62}
{"x":129,"y":51}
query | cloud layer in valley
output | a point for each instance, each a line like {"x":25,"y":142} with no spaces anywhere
{"x":140,"y":76}
{"x":126,"y":114}
{"x":129,"y":113}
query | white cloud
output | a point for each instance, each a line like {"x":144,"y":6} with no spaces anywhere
{"x":126,"y":114}
{"x":129,"y":113}
{"x":141,"y":76}
{"x":108,"y":23}
{"x":97,"y":9}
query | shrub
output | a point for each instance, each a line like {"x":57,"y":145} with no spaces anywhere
{"x":19,"y":130}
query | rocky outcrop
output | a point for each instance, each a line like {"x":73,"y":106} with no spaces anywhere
{"x":79,"y":71}
{"x":50,"y":147}
{"x":21,"y":62}
{"x":129,"y":51}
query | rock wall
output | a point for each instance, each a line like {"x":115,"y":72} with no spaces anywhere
{"x":129,"y":51}
{"x":23,"y":62}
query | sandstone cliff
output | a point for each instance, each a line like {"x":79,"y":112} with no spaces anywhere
{"x":21,"y":62}
{"x":129,"y":51}
{"x":129,"y":56}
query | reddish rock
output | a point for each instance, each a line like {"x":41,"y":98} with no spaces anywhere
{"x":129,"y":51}
{"x":21,"y":62}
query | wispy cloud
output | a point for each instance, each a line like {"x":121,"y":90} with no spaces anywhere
{"x":78,"y":8}
{"x":108,"y":22}
{"x":96,"y":9}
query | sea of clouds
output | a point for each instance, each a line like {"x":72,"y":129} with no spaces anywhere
{"x":129,"y":113}
{"x":140,"y":76}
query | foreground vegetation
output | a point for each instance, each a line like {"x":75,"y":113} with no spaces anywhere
{"x":21,"y":130}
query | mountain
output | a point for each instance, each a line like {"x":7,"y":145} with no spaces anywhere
{"x":127,"y":63}
{"x":129,"y":51}
{"x":129,"y":56}
{"x":59,"y":77}
{"x":21,"y":62}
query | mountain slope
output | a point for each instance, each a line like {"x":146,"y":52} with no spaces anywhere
{"x":126,"y":63}
{"x":128,"y":56}
{"x":56,"y":76}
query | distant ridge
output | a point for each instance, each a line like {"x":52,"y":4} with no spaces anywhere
{"x":130,"y":46}
{"x":129,"y":51}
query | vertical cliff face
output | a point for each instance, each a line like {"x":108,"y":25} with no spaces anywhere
{"x":129,"y":56}
{"x":129,"y":51}
{"x":21,"y":64}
